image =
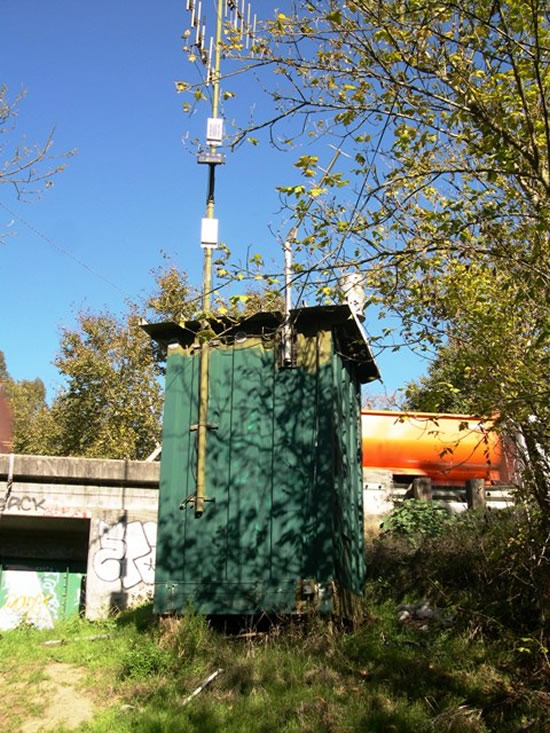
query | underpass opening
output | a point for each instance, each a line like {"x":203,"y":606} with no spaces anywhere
{"x":42,"y":569}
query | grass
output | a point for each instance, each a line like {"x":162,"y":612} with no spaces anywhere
{"x":313,"y":676}
{"x":487,"y":669}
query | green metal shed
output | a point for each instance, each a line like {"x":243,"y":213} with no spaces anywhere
{"x":282,"y":528}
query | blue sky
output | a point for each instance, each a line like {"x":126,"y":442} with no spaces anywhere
{"x":102,"y":74}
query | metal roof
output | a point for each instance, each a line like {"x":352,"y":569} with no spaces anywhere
{"x":351,"y":338}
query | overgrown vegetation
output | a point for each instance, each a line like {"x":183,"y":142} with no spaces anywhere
{"x":479,"y":665}
{"x":487,"y":567}
{"x":383,"y":676}
{"x":441,"y":203}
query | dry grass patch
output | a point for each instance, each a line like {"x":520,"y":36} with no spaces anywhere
{"x":63,"y":703}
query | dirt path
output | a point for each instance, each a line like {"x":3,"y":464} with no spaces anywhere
{"x":64,"y":702}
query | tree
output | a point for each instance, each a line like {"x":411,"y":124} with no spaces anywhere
{"x":27,"y":168}
{"x":173,"y":298}
{"x":445,"y":210}
{"x":445,"y":387}
{"x":443,"y":107}
{"x":495,"y":364}
{"x":33,"y":426}
{"x":4,"y":374}
{"x":419,"y":92}
{"x":111,"y":405}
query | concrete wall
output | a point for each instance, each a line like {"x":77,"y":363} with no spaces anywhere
{"x":104,"y":514}
{"x":115,"y":501}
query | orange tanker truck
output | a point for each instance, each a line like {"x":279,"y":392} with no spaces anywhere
{"x":449,"y":449}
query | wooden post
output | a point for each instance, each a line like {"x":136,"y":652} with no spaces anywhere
{"x":422,"y":488}
{"x":475,"y":493}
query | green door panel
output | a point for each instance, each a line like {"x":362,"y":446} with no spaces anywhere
{"x":39,"y":597}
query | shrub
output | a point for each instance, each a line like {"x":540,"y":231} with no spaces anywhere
{"x":143,"y":659}
{"x":415,"y":520}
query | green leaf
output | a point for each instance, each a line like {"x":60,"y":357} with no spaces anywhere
{"x":334,"y":17}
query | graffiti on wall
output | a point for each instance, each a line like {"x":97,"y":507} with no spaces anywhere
{"x":27,"y":503}
{"x":126,"y":553}
{"x":38,"y":598}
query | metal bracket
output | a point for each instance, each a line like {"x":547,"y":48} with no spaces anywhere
{"x":191,"y":500}
{"x":208,"y":158}
{"x":209,"y":426}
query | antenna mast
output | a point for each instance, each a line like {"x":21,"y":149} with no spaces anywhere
{"x":211,"y":58}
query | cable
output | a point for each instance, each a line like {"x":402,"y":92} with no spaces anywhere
{"x":65,"y":252}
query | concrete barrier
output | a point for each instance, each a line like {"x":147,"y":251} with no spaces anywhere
{"x":96,"y":517}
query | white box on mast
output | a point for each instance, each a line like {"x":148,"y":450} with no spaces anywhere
{"x":209,"y":232}
{"x":214,"y":131}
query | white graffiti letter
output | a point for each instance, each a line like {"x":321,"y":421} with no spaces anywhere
{"x":107,"y":559}
{"x":127,"y":553}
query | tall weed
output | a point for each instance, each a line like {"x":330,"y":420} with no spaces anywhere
{"x":187,"y":637}
{"x":143,"y":659}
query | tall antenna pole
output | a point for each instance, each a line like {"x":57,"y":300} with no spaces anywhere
{"x":209,"y":225}
{"x":213,"y":122}
{"x":209,"y":240}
